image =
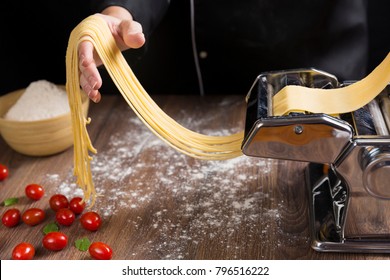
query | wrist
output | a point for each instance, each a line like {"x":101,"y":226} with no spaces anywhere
{"x":118,"y":12}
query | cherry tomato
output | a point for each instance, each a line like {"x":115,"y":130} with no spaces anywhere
{"x":55,"y":241}
{"x":23,"y":251}
{"x":58,"y":201}
{"x":34,"y":191}
{"x":77,"y":205}
{"x":11,"y":217}
{"x":100,"y":251}
{"x":65,"y":217}
{"x":3,"y":172}
{"x":33,"y":216}
{"x":90,"y":221}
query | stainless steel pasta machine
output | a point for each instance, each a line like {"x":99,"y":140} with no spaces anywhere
{"x":348,"y":155}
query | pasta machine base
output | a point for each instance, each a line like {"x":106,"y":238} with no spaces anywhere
{"x":348,"y":174}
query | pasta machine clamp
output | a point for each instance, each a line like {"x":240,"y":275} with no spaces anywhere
{"x":348,"y":171}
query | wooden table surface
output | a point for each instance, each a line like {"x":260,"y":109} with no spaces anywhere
{"x":159,"y":204}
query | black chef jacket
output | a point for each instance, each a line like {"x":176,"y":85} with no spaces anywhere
{"x":236,"y":40}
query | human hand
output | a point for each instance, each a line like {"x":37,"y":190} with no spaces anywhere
{"x":127,"y":33}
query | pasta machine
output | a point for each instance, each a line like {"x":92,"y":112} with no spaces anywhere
{"x":348,"y":155}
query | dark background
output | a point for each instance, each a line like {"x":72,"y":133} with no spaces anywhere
{"x":34,"y":36}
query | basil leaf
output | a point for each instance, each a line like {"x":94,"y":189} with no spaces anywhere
{"x":10,"y":201}
{"x":82,"y":244}
{"x":51,"y":227}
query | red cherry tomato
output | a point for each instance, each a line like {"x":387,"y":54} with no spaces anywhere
{"x":33,"y":216}
{"x":3,"y":172}
{"x":23,"y":251}
{"x":55,"y":241}
{"x":77,"y":205}
{"x":34,"y":191}
{"x":11,"y":217}
{"x":58,"y":201}
{"x":90,"y":221}
{"x":65,"y":217}
{"x":100,"y":251}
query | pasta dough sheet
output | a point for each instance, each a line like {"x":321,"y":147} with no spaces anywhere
{"x":333,"y":101}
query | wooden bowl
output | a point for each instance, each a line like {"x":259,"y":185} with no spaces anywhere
{"x":40,"y":137}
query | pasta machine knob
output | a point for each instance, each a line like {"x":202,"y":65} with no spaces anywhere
{"x":376,"y":172}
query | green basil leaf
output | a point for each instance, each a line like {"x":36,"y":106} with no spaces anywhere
{"x":82,"y":244}
{"x":10,"y":201}
{"x":51,"y":227}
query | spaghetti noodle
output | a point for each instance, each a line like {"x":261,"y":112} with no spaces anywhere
{"x":95,"y":30}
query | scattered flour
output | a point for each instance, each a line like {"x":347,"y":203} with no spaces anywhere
{"x":41,"y":100}
{"x":229,"y":201}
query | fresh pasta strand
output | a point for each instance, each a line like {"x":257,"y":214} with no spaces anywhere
{"x":95,"y":30}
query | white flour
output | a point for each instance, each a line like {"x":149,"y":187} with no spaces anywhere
{"x":41,"y":100}
{"x":228,"y":201}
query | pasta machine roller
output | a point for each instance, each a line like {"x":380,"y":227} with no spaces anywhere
{"x":348,"y":155}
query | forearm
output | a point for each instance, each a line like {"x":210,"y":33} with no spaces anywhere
{"x":118,"y":12}
{"x":147,"y":12}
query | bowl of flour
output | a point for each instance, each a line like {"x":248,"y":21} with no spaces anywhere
{"x":36,"y":121}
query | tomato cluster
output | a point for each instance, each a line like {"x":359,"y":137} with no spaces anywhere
{"x":65,"y":214}
{"x":31,"y":216}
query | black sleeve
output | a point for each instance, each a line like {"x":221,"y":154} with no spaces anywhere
{"x":147,"y":12}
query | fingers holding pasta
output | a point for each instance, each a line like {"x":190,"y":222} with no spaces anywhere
{"x":131,"y":33}
{"x":90,"y":79}
{"x":127,"y":34}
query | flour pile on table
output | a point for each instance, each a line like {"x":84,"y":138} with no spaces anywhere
{"x":41,"y":100}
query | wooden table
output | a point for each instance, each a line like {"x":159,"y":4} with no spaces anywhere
{"x":159,"y":204}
